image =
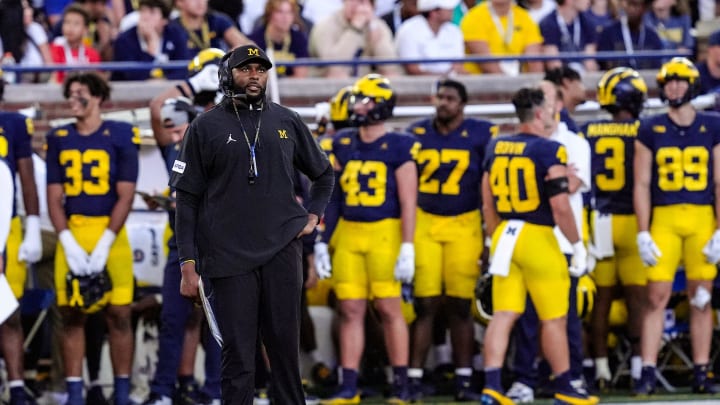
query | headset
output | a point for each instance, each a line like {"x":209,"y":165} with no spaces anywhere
{"x":227,"y":85}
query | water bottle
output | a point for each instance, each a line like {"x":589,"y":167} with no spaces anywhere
{"x":8,"y":60}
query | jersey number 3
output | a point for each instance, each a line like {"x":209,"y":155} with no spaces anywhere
{"x":97,"y":162}
{"x":512,"y":180}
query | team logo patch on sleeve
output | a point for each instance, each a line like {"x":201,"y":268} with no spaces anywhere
{"x":179,"y":167}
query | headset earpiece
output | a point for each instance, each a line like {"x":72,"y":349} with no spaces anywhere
{"x":225,"y":76}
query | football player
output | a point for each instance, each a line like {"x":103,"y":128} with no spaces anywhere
{"x":449,"y":237}
{"x":373,"y":251}
{"x":676,"y":199}
{"x":526,"y":330}
{"x":16,"y":133}
{"x":622,"y":93}
{"x":92,"y":167}
{"x":171,"y":112}
{"x":525,"y":194}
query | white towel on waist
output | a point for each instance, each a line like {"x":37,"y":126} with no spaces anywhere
{"x":603,"y":235}
{"x":502,"y":256}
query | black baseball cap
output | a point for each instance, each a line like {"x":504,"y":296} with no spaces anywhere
{"x":247,"y":54}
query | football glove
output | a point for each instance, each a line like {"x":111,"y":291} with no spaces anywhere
{"x":322,"y":261}
{"x":99,"y":255}
{"x":75,"y":256}
{"x":579,"y":262}
{"x":712,"y":248}
{"x":405,"y":265}
{"x":31,"y":247}
{"x":205,"y":80}
{"x":649,"y":252}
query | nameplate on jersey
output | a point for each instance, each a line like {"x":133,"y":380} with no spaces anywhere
{"x":502,"y":256}
{"x":603,"y":236}
{"x":178,"y":167}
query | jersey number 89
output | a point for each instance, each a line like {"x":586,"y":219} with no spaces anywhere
{"x":680,"y":169}
{"x":513,"y":182}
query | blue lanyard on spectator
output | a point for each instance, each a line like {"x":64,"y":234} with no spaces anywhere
{"x":566,"y":34}
{"x":507,"y":34}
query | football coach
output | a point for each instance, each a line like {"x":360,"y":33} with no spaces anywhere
{"x":239,"y":224}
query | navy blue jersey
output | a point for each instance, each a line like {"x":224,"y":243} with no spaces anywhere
{"x":173,"y":47}
{"x":568,"y":38}
{"x":517,"y":166}
{"x":612,"y":150}
{"x":450,"y":166}
{"x":646,"y":39}
{"x":89,"y":166}
{"x":16,"y":131}
{"x":367,"y":177}
{"x":682,"y":158}
{"x":295,"y":46}
{"x":210,"y":35}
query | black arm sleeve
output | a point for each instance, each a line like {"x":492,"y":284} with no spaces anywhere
{"x":332,"y":211}
{"x":186,"y":213}
{"x":320,"y":192}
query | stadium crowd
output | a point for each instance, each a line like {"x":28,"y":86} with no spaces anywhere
{"x":511,"y":245}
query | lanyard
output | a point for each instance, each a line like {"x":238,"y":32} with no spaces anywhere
{"x":253,"y":170}
{"x":70,"y":59}
{"x":200,"y":43}
{"x":565,"y":34}
{"x":285,"y":47}
{"x":627,"y":39}
{"x":506,"y":34}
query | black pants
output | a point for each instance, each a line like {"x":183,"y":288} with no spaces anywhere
{"x":265,"y":304}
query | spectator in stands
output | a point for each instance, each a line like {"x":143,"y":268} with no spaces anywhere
{"x":152,"y":40}
{"x":431,"y":35}
{"x":710,"y":68}
{"x":486,"y":31}
{"x":569,"y":29}
{"x":352,"y":32}
{"x":281,"y":28}
{"x":25,"y":39}
{"x":206,"y":28}
{"x":572,"y":89}
{"x":69,"y":48}
{"x":671,"y":20}
{"x":627,"y":34}
{"x":402,"y":11}
{"x":103,"y":27}
{"x":538,"y":9}
{"x":316,"y":10}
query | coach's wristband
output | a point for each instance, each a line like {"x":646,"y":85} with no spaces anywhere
{"x":183,"y":262}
